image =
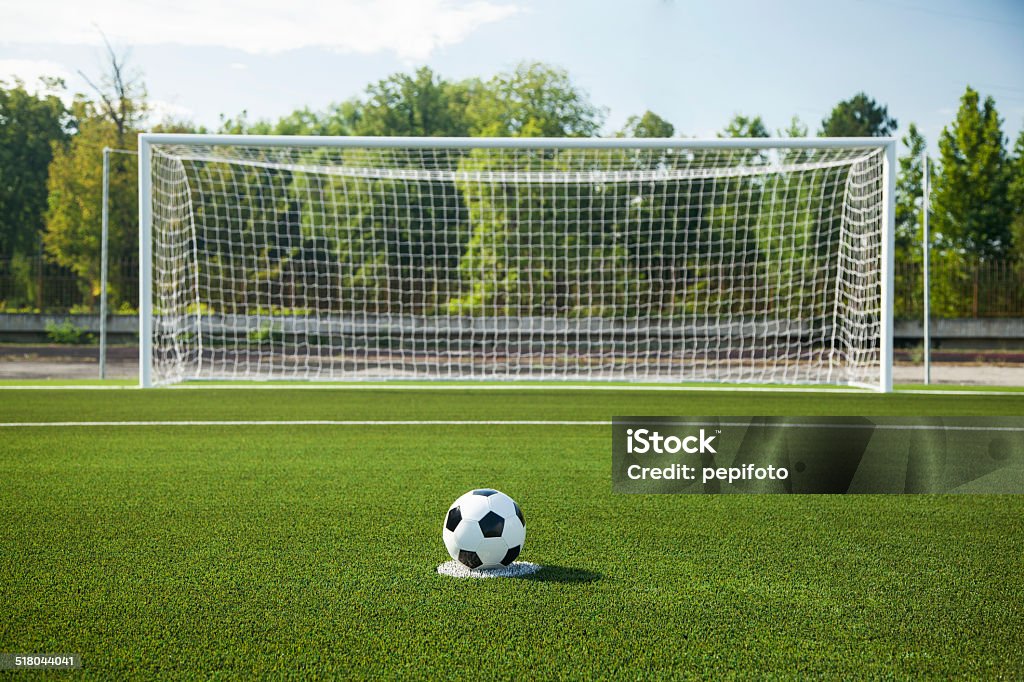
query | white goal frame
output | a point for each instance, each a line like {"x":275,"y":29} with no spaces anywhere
{"x":887,"y":145}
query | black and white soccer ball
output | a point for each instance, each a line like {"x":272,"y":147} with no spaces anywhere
{"x":484,"y":529}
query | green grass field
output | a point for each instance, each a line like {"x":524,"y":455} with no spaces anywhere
{"x":310,"y":551}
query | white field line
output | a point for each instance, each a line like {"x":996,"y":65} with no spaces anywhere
{"x":317,"y":422}
{"x":498,"y":422}
{"x":512,"y":387}
{"x":441,"y":387}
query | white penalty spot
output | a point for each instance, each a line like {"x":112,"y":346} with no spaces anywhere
{"x":516,"y":569}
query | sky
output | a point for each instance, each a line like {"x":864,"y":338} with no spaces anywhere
{"x":694,"y":63}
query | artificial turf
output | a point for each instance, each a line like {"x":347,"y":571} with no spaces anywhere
{"x":309,"y":551}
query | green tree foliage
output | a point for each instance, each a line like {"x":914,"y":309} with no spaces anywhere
{"x":392,"y":244}
{"x":909,"y":216}
{"x":75,"y":195}
{"x":30,"y":124}
{"x":648,"y":124}
{"x":305,"y":121}
{"x":507,"y":267}
{"x":780,"y":221}
{"x":336,"y":120}
{"x":534,"y":100}
{"x":386,"y":249}
{"x":1015,"y":195}
{"x":384,"y":245}
{"x":970,"y":206}
{"x":798,"y":215}
{"x":29,"y":127}
{"x":795,"y":128}
{"x":909,"y":188}
{"x":241,"y":125}
{"x":421,"y":104}
{"x":388,"y":253}
{"x":74,"y":186}
{"x":745,"y":126}
{"x":621,"y":249}
{"x":859,"y":116}
{"x":406,"y":242}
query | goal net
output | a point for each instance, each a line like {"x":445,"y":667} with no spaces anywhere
{"x":751,"y":261}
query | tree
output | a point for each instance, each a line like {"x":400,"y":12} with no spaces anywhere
{"x":29,"y":126}
{"x":909,"y":188}
{"x":534,"y":100}
{"x":909,"y":214}
{"x":74,"y":186}
{"x":305,"y":121}
{"x":120,"y":94}
{"x":1015,"y":194}
{"x":970,"y":204}
{"x":649,"y":124}
{"x":73,"y":217}
{"x":503,"y":265}
{"x":745,"y":126}
{"x":859,"y":116}
{"x":788,"y":209}
{"x":420,"y":105}
{"x":796,"y":128}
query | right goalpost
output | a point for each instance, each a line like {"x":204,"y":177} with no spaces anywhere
{"x":761,"y":261}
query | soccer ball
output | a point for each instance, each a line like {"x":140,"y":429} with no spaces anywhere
{"x":484,"y":529}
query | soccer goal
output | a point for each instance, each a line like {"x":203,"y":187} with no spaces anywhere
{"x":765,"y":261}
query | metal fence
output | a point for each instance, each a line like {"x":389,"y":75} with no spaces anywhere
{"x":959,"y":290}
{"x":35,"y":284}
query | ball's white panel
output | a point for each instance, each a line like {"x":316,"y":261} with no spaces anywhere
{"x":462,"y":499}
{"x":468,"y":536}
{"x":473,"y":507}
{"x":513,"y":533}
{"x":451,"y":544}
{"x":502,"y":504}
{"x":491,"y":551}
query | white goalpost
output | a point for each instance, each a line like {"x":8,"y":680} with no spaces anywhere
{"x":762,"y":261}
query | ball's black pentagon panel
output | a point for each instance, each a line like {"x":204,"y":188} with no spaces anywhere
{"x":453,"y":520}
{"x":485,"y":492}
{"x":491,"y":525}
{"x":511,"y":555}
{"x":519,"y":513}
{"x":469,"y":559}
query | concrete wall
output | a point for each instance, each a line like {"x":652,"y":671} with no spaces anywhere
{"x":976,"y":333}
{"x":979,"y":328}
{"x":948,"y":333}
{"x":28,"y":327}
{"x":27,"y":322}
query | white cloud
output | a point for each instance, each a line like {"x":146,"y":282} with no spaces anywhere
{"x":411,"y":29}
{"x":29,"y":71}
{"x":161,"y":111}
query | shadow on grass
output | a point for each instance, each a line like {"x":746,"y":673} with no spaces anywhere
{"x":550,"y":573}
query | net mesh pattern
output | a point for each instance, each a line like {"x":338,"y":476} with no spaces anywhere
{"x":637,"y":264}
